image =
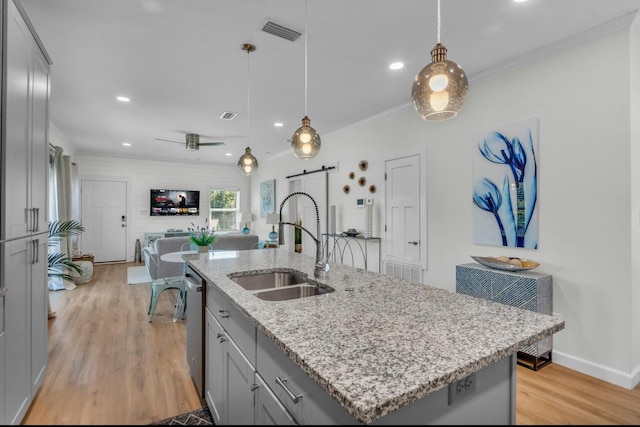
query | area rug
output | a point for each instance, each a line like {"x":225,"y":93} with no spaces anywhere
{"x":137,"y":275}
{"x":199,"y":417}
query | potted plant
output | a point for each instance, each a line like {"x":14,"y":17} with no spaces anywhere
{"x":59,"y":264}
{"x":202,"y":237}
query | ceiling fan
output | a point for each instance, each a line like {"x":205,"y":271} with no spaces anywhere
{"x":193,"y":142}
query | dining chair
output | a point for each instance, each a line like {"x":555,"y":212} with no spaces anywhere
{"x":161,"y":283}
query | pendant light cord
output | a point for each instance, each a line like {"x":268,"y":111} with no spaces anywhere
{"x":248,"y":96}
{"x":306,"y":32}
{"x":438,"y":21}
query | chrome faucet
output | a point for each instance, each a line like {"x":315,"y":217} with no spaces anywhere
{"x":321,"y":265}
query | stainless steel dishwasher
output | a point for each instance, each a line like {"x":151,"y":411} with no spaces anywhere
{"x":195,"y":331}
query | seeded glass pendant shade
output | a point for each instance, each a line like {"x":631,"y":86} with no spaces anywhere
{"x":440,"y":88}
{"x":305,"y":141}
{"x":247,"y":162}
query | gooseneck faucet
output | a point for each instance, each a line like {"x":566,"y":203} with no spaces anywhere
{"x":320,"y":265}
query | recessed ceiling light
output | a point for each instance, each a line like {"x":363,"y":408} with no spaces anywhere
{"x":123,"y":99}
{"x":396,"y":66}
{"x":519,"y":1}
{"x":126,"y":144}
{"x":228,"y":154}
{"x":278,"y":124}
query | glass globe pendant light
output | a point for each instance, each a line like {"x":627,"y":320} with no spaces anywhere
{"x":247,"y":163}
{"x":440,"y":88}
{"x":305,"y":141}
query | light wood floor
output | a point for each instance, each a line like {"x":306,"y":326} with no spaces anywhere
{"x":109,"y":365}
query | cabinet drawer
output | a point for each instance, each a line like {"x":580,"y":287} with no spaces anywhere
{"x":241,"y":331}
{"x":314,"y":406}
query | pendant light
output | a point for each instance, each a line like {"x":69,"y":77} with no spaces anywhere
{"x":305,"y":141}
{"x":247,"y":163}
{"x":440,"y":88}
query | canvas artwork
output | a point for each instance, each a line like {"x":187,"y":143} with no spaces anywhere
{"x":505,"y":185}
{"x":267,"y":197}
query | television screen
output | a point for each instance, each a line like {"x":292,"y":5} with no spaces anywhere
{"x":175,"y":202}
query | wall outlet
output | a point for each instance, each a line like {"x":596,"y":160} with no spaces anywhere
{"x":462,"y":388}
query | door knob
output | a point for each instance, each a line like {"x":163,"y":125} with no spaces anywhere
{"x":415,"y":242}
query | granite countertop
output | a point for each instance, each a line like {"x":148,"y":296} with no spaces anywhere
{"x":376,"y":343}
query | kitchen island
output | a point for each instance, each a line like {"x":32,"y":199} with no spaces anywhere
{"x":377,"y":346}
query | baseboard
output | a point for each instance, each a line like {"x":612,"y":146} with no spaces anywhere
{"x":604,"y":373}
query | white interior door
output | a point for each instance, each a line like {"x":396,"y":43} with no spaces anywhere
{"x":403,"y":225}
{"x":104,"y":216}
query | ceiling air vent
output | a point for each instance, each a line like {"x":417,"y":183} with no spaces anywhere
{"x":228,"y":116}
{"x":280,"y":31}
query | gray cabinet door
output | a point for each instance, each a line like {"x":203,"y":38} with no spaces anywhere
{"x":214,"y":354}
{"x":238,"y":387}
{"x":3,"y":419}
{"x":16,"y":278}
{"x":19,"y":64}
{"x":39,"y":313}
{"x":269,"y":410}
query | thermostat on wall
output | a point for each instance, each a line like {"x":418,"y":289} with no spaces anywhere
{"x":360,"y":203}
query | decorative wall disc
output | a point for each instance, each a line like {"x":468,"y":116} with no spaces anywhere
{"x":362,"y":181}
{"x":352,"y":175}
{"x":363,"y":165}
{"x":346,"y":189}
{"x":372,"y":188}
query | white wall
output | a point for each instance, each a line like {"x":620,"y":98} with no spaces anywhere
{"x":585,"y":232}
{"x":634,"y":52}
{"x":143,"y":175}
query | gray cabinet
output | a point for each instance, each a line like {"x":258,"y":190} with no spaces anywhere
{"x":25,"y":143}
{"x":229,"y":374}
{"x":23,"y":211}
{"x":523,"y":289}
{"x":238,"y":376}
{"x":269,"y":409}
{"x":307,"y":402}
{"x":213,"y":389}
{"x":25,"y":315}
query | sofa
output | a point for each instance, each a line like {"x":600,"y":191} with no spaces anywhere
{"x":159,"y":269}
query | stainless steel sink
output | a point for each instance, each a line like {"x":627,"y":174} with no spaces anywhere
{"x":291,"y":292}
{"x":273,"y":279}
{"x":279,"y":285}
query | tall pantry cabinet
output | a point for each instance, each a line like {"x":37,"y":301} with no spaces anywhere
{"x":24,"y":144}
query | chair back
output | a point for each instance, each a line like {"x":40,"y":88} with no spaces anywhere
{"x":164,"y":246}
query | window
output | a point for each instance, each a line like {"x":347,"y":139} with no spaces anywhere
{"x":223,"y":209}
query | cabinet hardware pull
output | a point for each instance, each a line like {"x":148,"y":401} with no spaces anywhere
{"x":223,"y":313}
{"x":36,"y":249}
{"x":281,"y":383}
{"x":415,"y":242}
{"x":36,"y":226}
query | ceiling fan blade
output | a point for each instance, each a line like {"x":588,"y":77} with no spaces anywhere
{"x":213,"y":143}
{"x":168,"y":140}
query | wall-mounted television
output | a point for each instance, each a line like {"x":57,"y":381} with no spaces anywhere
{"x":174,"y":202}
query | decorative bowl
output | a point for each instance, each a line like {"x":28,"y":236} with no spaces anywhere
{"x":491,"y":262}
{"x":352,"y":232}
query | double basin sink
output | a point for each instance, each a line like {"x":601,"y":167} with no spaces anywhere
{"x":279,"y":285}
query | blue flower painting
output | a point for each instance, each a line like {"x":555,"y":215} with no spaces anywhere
{"x":505,"y":188}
